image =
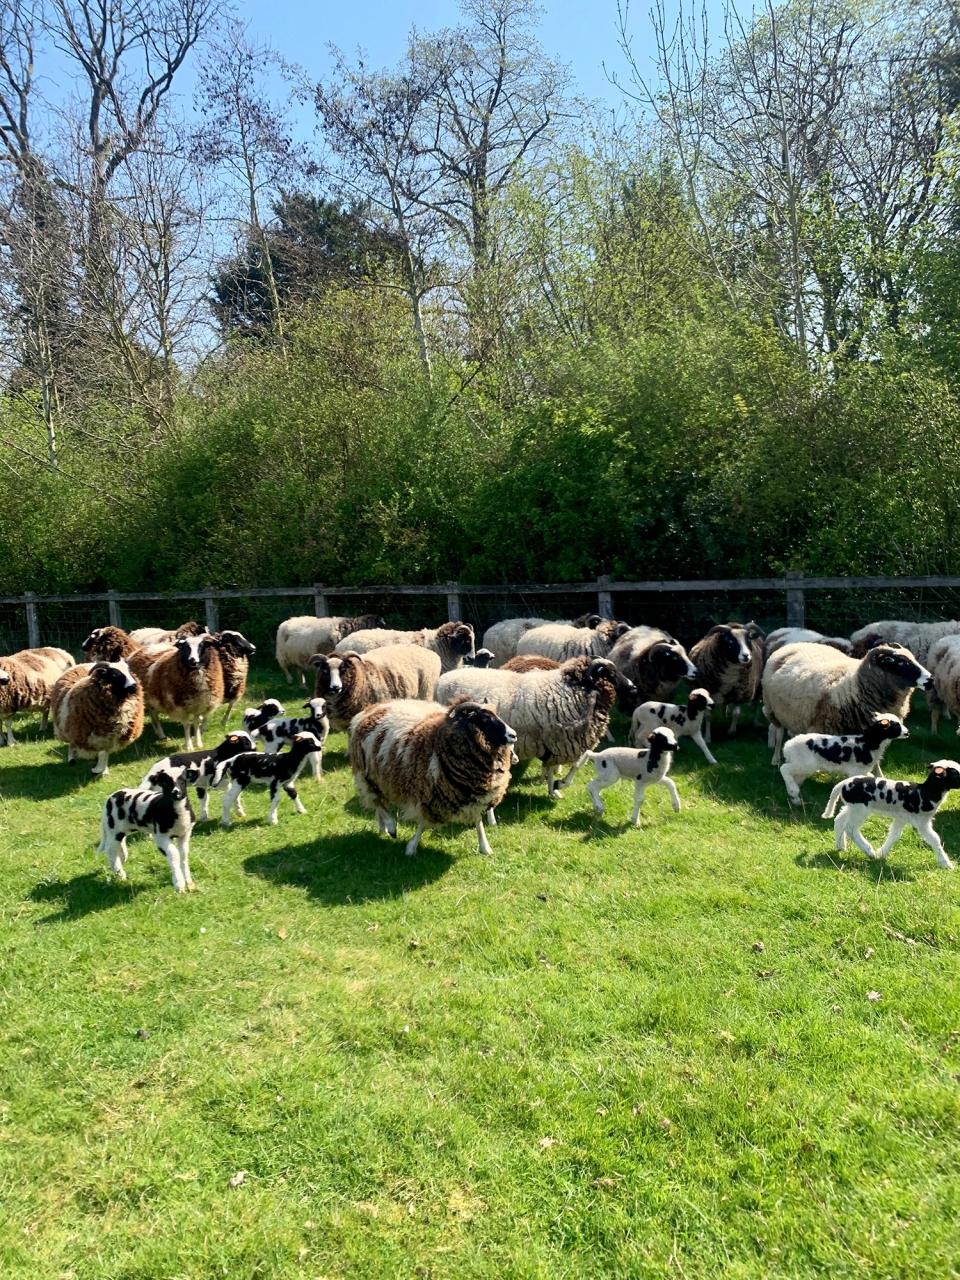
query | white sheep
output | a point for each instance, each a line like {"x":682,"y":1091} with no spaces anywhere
{"x":434,"y":764}
{"x":558,"y":715}
{"x":685,"y":722}
{"x":645,"y":768}
{"x":503,"y":637}
{"x":453,"y":641}
{"x":918,"y":637}
{"x":846,"y":754}
{"x":812,"y":688}
{"x":803,"y":635}
{"x":944,"y":696}
{"x":560,"y":640}
{"x":298,"y":639}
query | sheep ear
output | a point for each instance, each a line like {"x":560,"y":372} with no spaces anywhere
{"x":317,"y":660}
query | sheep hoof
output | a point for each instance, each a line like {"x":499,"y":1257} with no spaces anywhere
{"x":191,"y":887}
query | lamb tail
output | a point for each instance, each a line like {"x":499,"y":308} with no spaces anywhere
{"x":834,"y":800}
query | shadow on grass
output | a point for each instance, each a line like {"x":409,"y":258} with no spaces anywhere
{"x":349,"y":869}
{"x":44,"y":781}
{"x":83,"y":895}
{"x":871,"y":869}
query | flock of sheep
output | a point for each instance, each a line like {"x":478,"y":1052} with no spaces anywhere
{"x":435,"y":724}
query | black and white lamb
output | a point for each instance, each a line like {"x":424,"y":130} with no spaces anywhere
{"x":298,"y":639}
{"x":453,"y":641}
{"x":811,"y":688}
{"x":282,"y":731}
{"x":278,"y":771}
{"x":162,"y":811}
{"x":254,"y":718}
{"x":434,"y":764}
{"x":647,"y":767}
{"x":482,"y":658}
{"x":909,"y":804}
{"x":558,"y":715}
{"x":846,"y":754}
{"x":684,"y":722}
{"x":201,"y":769}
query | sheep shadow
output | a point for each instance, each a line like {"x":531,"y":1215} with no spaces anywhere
{"x":44,"y":780}
{"x":84,"y":894}
{"x":871,"y":869}
{"x":347,"y":870}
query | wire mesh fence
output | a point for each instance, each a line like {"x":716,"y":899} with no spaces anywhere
{"x":835,"y":606}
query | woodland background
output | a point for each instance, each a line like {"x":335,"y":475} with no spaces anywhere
{"x":477,"y":328}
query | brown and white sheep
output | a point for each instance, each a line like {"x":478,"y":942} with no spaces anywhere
{"x":97,"y":709}
{"x":729,"y":663}
{"x":453,"y":642}
{"x":26,"y":679}
{"x":434,"y":764}
{"x":185,"y":684}
{"x":558,"y":715}
{"x":530,"y":662}
{"x":349,"y":682}
{"x":560,"y":641}
{"x":918,"y":637}
{"x":812,"y":688}
{"x":298,"y":639}
{"x":235,"y":653}
{"x":113,"y":644}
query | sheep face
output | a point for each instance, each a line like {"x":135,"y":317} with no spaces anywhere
{"x":173,"y":782}
{"x":104,"y":644}
{"x":305,"y":743}
{"x":4,"y":677}
{"x":698,"y":701}
{"x":732,"y":644}
{"x":317,"y":707}
{"x":663,"y":738}
{"x":484,"y":721}
{"x":482,"y":658}
{"x":331,"y":669}
{"x":946,"y":773}
{"x":899,"y":663}
{"x":114,"y":678}
{"x":459,"y":636}
{"x":670,"y":662}
{"x":599,"y":671}
{"x":237,"y":645}
{"x":195,"y":651}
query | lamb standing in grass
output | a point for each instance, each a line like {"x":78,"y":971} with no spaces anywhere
{"x":282,"y":731}
{"x":201,"y":769}
{"x":907,"y":803}
{"x":277,"y":771}
{"x":162,"y":811}
{"x":647,"y":768}
{"x":254,"y":718}
{"x":685,"y":722}
{"x":847,"y":754}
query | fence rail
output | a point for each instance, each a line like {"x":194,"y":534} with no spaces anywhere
{"x":321,"y":598}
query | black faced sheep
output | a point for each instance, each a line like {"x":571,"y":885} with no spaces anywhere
{"x":185,"y":684}
{"x":729,"y":663}
{"x":811,"y":688}
{"x":298,"y":639}
{"x":558,"y":715}
{"x":162,"y":811}
{"x":26,"y":680}
{"x":434,"y":764}
{"x":97,"y":709}
{"x":453,"y":642}
{"x":351,"y":681}
{"x":653,"y":661}
{"x":907,"y":803}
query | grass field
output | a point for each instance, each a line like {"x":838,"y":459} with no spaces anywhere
{"x":598,"y":1052}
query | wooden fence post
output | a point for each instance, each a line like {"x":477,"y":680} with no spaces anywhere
{"x":604,"y":598}
{"x":320,"y":606}
{"x":454,"y":603}
{"x":113,"y":609}
{"x":796,"y":601}
{"x":210,"y":606}
{"x":33,"y":621}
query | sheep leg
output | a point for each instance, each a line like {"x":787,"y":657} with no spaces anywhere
{"x":101,"y":769}
{"x":674,"y":793}
{"x":552,"y":790}
{"x":793,"y":782}
{"x":414,"y":842}
{"x":184,"y":843}
{"x":197,"y":733}
{"x":639,"y":794}
{"x":316,"y":764}
{"x":232,"y":793}
{"x":241,"y":811}
{"x":934,"y":718}
{"x":386,"y":824}
{"x":490,"y":817}
{"x":708,"y":728}
{"x":840,"y":832}
{"x":574,"y":770}
{"x":202,"y":797}
{"x":893,"y":835}
{"x":188,"y":736}
{"x":291,"y":791}
{"x":698,"y":739}
{"x":116,"y":852}
{"x":608,"y":735}
{"x":778,"y":736}
{"x":44,"y":719}
{"x":596,"y":786}
{"x":172,"y":855}
{"x":926,"y":832}
{"x":484,"y":842}
{"x":157,"y":726}
{"x":860,"y":840}
{"x":71,"y":755}
{"x":229,"y":712}
{"x":8,"y":730}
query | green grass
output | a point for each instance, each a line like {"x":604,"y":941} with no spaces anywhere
{"x":568,"y":1059}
